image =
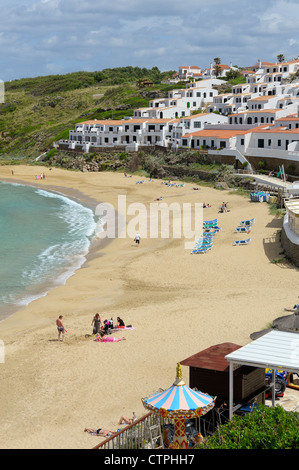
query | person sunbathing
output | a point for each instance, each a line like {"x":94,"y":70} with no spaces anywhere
{"x":103,"y":338}
{"x":124,"y":419}
{"x":100,"y":432}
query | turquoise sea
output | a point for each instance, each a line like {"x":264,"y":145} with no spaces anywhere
{"x":44,"y":238}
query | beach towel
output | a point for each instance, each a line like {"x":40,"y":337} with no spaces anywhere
{"x":124,"y":328}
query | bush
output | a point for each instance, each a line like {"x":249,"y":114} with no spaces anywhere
{"x":264,"y":428}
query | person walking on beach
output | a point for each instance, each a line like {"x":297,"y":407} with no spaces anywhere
{"x":60,"y":328}
{"x":137,"y":238}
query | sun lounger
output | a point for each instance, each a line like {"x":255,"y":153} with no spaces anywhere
{"x":210,"y":223}
{"x":200,"y":243}
{"x":243,"y":229}
{"x":242,"y":242}
{"x":209,"y":232}
{"x":200,"y":250}
{"x":247,"y":222}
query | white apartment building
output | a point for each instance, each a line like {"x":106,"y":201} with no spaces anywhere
{"x":189,"y":71}
{"x":257,"y":118}
{"x":177,"y":129}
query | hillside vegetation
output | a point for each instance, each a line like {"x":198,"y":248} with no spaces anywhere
{"x":38,"y":111}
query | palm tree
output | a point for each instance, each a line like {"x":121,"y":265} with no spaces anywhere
{"x":280,"y":58}
{"x":217,"y":70}
{"x":217,"y":61}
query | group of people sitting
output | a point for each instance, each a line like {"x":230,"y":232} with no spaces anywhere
{"x":99,"y":326}
{"x":102,"y":330}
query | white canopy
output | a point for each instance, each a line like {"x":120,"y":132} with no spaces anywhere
{"x":274,"y":350}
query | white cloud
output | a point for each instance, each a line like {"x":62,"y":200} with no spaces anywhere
{"x":79,"y":34}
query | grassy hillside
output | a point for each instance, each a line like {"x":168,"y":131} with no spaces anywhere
{"x":38,"y":111}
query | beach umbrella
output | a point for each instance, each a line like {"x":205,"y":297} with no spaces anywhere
{"x":179,"y":402}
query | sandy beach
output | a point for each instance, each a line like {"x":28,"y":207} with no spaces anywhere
{"x":178,"y":304}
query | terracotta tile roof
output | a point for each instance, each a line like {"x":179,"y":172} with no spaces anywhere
{"x":263,"y":98}
{"x":261,"y":111}
{"x":290,"y":118}
{"x":278,"y":130}
{"x":290,"y":62}
{"x":102,"y":122}
{"x":217,"y":133}
{"x":194,"y":116}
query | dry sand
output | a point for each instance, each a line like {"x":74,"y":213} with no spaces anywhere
{"x":178,"y":303}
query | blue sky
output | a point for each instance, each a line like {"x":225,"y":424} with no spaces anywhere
{"x":46,"y":37}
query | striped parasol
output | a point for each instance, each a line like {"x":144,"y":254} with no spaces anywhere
{"x":179,"y":402}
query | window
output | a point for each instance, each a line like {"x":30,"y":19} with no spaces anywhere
{"x":197,"y":124}
{"x":260,"y":143}
{"x":279,"y":143}
{"x":242,"y":141}
{"x":211,"y":93}
{"x":269,"y":142}
{"x":198,"y":94}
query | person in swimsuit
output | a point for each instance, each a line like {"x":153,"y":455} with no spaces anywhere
{"x":126,"y":420}
{"x":99,"y":432}
{"x":60,"y":328}
{"x":103,"y":338}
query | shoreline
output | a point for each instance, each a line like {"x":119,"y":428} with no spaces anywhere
{"x":41,"y":290}
{"x":178,"y":305}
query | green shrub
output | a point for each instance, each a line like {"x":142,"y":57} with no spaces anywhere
{"x":264,"y":428}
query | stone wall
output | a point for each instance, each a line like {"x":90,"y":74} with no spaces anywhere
{"x":290,"y":248}
{"x":291,"y":167}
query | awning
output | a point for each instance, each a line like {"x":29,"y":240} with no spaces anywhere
{"x":274,"y":350}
